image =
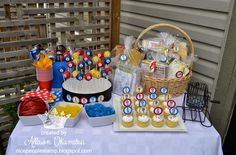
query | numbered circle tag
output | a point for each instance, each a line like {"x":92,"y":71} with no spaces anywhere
{"x":126,"y":96}
{"x":127,"y":102}
{"x":126,"y":90}
{"x":127,"y":110}
{"x":142,"y":103}
{"x":152,"y":90}
{"x":163,"y":90}
{"x":75,"y":99}
{"x":100,"y":98}
{"x":92,"y":99}
{"x":174,"y":111}
{"x":140,"y":96}
{"x":171,"y":103}
{"x":163,"y":58}
{"x":139,"y":89}
{"x":123,"y":57}
{"x":158,"y":111}
{"x":143,"y":110}
{"x":179,"y":74}
{"x":153,"y":96}
{"x":84,"y":100}
{"x":68,"y":97}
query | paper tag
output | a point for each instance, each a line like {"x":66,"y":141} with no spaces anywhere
{"x":158,"y":111}
{"x":142,"y":103}
{"x":171,"y":103}
{"x":92,"y":99}
{"x":126,"y":90}
{"x":152,"y":90}
{"x":127,"y":110}
{"x":127,"y":102}
{"x":174,"y":111}
{"x":163,"y":90}
{"x":153,"y":96}
{"x":140,"y":96}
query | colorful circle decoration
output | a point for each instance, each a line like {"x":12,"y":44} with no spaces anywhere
{"x":126,"y":90}
{"x":142,"y":103}
{"x":84,"y":100}
{"x":126,"y":96}
{"x":179,"y":74}
{"x":152,"y":89}
{"x":158,"y":111}
{"x":143,"y":110}
{"x":139,"y":89}
{"x":127,"y":110}
{"x":140,"y":96}
{"x":100,"y":98}
{"x":127,"y":102}
{"x":123,"y":57}
{"x":174,"y":111}
{"x":75,"y":99}
{"x":163,"y":90}
{"x":163,"y":58}
{"x":68,"y":97}
{"x":92,"y":99}
{"x":153,"y":96}
{"x":171,"y":103}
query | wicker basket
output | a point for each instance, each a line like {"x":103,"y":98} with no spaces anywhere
{"x":176,"y":86}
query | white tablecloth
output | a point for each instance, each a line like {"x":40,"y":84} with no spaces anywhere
{"x":84,"y":139}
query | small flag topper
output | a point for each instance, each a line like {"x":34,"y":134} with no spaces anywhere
{"x":126,"y":90}
{"x":163,"y":90}
{"x":142,"y":103}
{"x":123,"y":57}
{"x":174,"y":111}
{"x":75,"y":99}
{"x":126,"y":96}
{"x":127,"y":102}
{"x":140,"y":96}
{"x":92,"y":99}
{"x":171,"y":103}
{"x":139,"y":89}
{"x":127,"y":110}
{"x":158,"y":111}
{"x":84,"y":100}
{"x":152,"y":90}
{"x":143,"y":110}
{"x":179,"y":74}
{"x":153,"y":96}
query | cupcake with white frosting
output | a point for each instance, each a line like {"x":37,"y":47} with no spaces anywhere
{"x":143,"y":121}
{"x":158,"y":121}
{"x":128,"y":121}
{"x":172,"y":121}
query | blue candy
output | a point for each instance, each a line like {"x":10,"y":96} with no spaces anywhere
{"x":98,"y":110}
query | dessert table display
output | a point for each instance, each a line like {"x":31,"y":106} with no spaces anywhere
{"x":80,"y":108}
{"x":198,"y":140}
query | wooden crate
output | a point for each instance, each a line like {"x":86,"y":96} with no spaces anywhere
{"x":23,"y":23}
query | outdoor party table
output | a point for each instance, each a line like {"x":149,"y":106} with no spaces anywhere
{"x":84,"y":139}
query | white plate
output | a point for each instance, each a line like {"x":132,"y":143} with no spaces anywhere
{"x":117,"y":126}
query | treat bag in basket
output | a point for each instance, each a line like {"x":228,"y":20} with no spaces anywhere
{"x":126,"y":76}
{"x":44,"y":78}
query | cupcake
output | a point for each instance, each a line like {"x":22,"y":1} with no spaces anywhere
{"x":143,"y":121}
{"x":128,"y":121}
{"x":142,"y":111}
{"x":172,"y":121}
{"x":158,"y":121}
{"x":166,"y":112}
